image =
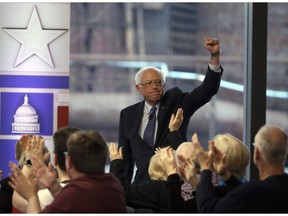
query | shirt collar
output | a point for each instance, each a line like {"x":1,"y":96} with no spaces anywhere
{"x":147,"y":108}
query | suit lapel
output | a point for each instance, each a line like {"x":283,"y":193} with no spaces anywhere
{"x":137,"y":112}
{"x":161,"y":122}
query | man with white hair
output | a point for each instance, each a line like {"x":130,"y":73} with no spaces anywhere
{"x":143,"y":127}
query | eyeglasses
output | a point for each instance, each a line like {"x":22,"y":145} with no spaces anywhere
{"x":149,"y":83}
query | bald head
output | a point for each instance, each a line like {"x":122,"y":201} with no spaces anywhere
{"x":185,"y":151}
{"x":272,"y":142}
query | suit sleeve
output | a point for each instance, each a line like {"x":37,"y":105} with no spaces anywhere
{"x":126,"y":150}
{"x":117,"y":168}
{"x":205,"y":197}
{"x":203,"y":93}
{"x":174,"y":139}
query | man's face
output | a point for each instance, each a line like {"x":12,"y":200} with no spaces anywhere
{"x":151,"y":87}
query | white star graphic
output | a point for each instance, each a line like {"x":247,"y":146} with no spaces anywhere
{"x":34,"y":40}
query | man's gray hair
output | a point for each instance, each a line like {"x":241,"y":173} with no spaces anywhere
{"x":139,"y":74}
{"x":272,"y":142}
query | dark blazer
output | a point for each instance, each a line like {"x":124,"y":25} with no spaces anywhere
{"x":178,"y":205}
{"x":135,"y":149}
{"x":266,"y":196}
{"x":146,"y":197}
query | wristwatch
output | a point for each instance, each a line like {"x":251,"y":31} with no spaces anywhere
{"x":28,"y":163}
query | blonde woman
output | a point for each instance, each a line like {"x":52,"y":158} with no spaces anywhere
{"x":231,"y":157}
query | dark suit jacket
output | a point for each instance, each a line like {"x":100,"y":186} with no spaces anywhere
{"x":135,"y":149}
{"x":146,"y":197}
{"x":178,"y":205}
{"x":267,"y":196}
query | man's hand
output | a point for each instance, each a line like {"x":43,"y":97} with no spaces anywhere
{"x":25,"y":186}
{"x":188,"y":172}
{"x":45,"y":176}
{"x":23,"y":141}
{"x":219,"y":164}
{"x":35,"y":148}
{"x":168,"y":159}
{"x":204,"y":158}
{"x":114,"y":153}
{"x":176,"y":120}
{"x":212,"y":45}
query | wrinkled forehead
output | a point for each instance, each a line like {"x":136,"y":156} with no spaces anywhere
{"x":150,"y":74}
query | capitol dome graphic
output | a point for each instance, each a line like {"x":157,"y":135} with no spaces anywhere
{"x":25,"y":119}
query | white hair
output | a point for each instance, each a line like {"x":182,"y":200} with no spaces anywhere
{"x":272,"y":142}
{"x":139,"y":74}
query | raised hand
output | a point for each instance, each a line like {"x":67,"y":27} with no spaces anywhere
{"x":204,"y":158}
{"x":168,"y":159}
{"x":176,"y":120}
{"x":219,"y":162}
{"x":25,"y":186}
{"x":157,"y":150}
{"x":23,"y":141}
{"x":35,"y":148}
{"x":212,"y":45}
{"x":188,"y":172}
{"x":114,"y":153}
{"x":45,"y":176}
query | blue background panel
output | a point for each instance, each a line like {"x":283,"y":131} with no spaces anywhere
{"x":42,"y":103}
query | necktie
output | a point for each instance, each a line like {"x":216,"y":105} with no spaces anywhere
{"x":149,"y":130}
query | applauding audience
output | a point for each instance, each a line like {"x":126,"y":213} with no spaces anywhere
{"x":90,"y":190}
{"x":230,"y":159}
{"x":266,"y":195}
{"x":60,"y":138}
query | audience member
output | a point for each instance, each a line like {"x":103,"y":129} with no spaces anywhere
{"x":60,"y":138}
{"x":231,"y":151}
{"x":234,"y":153}
{"x":90,"y":190}
{"x":177,"y":171}
{"x":155,"y":110}
{"x":34,"y":147}
{"x":25,"y":159}
{"x":184,"y":153}
{"x":6,"y":191}
{"x":145,"y":197}
{"x":266,"y":195}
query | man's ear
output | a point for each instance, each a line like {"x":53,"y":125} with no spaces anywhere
{"x":138,"y":88}
{"x":257,"y":154}
{"x":55,"y":159}
{"x":69,"y":162}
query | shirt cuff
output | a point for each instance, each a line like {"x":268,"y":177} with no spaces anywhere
{"x":215,"y":68}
